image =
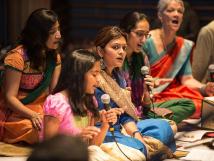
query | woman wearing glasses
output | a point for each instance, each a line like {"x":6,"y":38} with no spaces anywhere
{"x":136,"y":25}
{"x":169,"y":56}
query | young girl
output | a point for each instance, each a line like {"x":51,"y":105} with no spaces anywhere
{"x":71,"y":109}
{"x":153,"y":137}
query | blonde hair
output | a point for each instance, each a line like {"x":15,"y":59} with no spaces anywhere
{"x":162,"y":4}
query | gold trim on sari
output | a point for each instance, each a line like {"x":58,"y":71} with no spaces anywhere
{"x":122,"y":98}
{"x":118,"y":95}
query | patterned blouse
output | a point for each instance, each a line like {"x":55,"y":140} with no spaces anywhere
{"x":17,"y":60}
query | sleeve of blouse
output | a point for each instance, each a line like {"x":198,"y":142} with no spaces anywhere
{"x":14,"y":61}
{"x":54,"y":106}
{"x":125,"y":118}
{"x":186,"y":68}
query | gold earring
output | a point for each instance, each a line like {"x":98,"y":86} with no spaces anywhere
{"x":102,"y":64}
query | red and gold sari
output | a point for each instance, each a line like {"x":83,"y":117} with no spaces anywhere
{"x":173,"y":63}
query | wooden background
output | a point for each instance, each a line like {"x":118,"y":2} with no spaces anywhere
{"x":81,"y":19}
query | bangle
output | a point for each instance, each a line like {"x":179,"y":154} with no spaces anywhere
{"x":134,"y":133}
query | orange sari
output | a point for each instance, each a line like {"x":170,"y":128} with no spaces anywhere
{"x":13,"y":127}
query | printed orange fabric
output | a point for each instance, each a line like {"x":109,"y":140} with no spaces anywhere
{"x":13,"y":127}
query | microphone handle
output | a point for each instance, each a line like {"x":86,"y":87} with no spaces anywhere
{"x":151,"y":97}
{"x":108,"y":107}
{"x":148,"y":88}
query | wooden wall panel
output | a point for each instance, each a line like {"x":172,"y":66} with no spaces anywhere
{"x":18,"y":12}
{"x":87,"y":17}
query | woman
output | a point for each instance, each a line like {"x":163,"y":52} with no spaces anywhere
{"x":71,"y":109}
{"x":136,"y":26}
{"x":31,"y":72}
{"x":169,"y":57}
{"x":111,"y":44}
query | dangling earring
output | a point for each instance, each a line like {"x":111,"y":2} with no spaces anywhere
{"x":102,"y":64}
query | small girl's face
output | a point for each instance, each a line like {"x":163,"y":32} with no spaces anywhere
{"x":91,"y":78}
{"x":114,"y":53}
{"x":54,"y":37}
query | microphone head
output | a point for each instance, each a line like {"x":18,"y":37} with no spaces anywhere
{"x":144,"y":70}
{"x":211,"y":68}
{"x":105,"y":98}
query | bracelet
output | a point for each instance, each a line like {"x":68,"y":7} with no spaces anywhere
{"x":133,"y":134}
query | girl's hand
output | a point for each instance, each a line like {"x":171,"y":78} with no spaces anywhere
{"x":109,"y":116}
{"x":129,"y":89}
{"x":36,"y":120}
{"x":89,"y":132}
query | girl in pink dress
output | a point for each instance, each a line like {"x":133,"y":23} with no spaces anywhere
{"x":72,"y":109}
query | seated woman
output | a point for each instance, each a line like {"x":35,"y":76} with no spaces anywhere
{"x":71,"y":109}
{"x":31,"y":71}
{"x":153,"y":137}
{"x":169,"y":57}
{"x":136,"y":25}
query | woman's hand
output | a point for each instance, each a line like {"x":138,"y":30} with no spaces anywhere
{"x":209,"y":88}
{"x":149,"y":81}
{"x":161,"y":81}
{"x":89,"y":132}
{"x":118,"y":111}
{"x":36,"y":120}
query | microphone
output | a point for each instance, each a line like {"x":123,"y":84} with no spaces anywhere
{"x":144,"y":72}
{"x":105,"y":99}
{"x":211,"y":72}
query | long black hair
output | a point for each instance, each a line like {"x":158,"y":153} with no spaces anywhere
{"x":130,"y":20}
{"x":127,"y":24}
{"x":35,"y":35}
{"x":72,"y":78}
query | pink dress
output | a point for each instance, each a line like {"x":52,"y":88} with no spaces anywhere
{"x":57,"y":105}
